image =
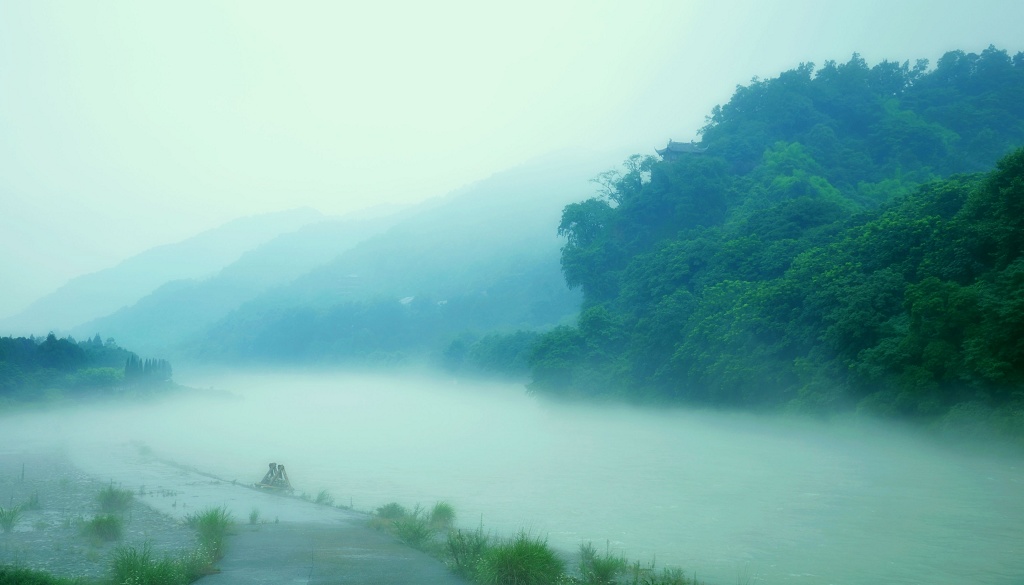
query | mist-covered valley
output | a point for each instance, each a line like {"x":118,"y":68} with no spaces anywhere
{"x":760,"y":499}
{"x":781,"y":346}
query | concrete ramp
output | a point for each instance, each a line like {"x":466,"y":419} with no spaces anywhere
{"x":317,"y":553}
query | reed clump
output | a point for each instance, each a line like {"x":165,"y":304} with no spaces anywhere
{"x":114,"y":500}
{"x":106,"y":527}
{"x":522,"y":559}
{"x":139,"y":566}
{"x":212,"y":527}
{"x":9,"y":518}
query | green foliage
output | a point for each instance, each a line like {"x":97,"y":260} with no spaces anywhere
{"x":149,"y":371}
{"x":211,"y":526}
{"x":34,"y":369}
{"x":810,"y":258}
{"x":392,"y":511}
{"x":108,"y":527}
{"x":521,"y":560}
{"x":598,"y":569}
{"x":414,"y":529}
{"x":254,"y":516}
{"x":638,"y":574}
{"x":9,"y":518}
{"x":494,"y":354}
{"x":95,"y":378}
{"x":23,"y":576}
{"x":112,"y":499}
{"x":324,"y":497}
{"x":138,"y":566}
{"x":442,"y":516}
{"x":464,"y":549}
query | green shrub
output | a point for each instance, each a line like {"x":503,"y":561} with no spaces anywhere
{"x":212,"y":526}
{"x":134,"y":566}
{"x":392,"y":511}
{"x":254,"y":516}
{"x":641,"y":575}
{"x":598,"y":569}
{"x":325,"y":497}
{"x":442,"y":516}
{"x":464,"y":550}
{"x":522,"y":560}
{"x":107,"y":527}
{"x":8,"y":518}
{"x":413,"y":529}
{"x":112,"y":499}
{"x":22,"y":576}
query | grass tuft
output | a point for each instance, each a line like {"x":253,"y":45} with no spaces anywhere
{"x":598,"y":569}
{"x":648,"y":575}
{"x":108,"y":527}
{"x":112,"y":499}
{"x":254,"y":516}
{"x":464,"y":551}
{"x":135,"y":566}
{"x":8,"y":518}
{"x":522,"y":560}
{"x":23,"y":576}
{"x":392,"y":511}
{"x":442,"y":516}
{"x":413,"y":529}
{"x":324,"y":497}
{"x":212,"y":526}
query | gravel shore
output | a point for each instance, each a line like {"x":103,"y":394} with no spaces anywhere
{"x":56,"y":500}
{"x":293,"y":540}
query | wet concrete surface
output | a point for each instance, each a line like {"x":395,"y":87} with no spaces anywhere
{"x":318,"y":553}
{"x":295,"y":541}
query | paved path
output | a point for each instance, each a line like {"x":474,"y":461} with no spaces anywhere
{"x":301,"y":542}
{"x":317,"y":553}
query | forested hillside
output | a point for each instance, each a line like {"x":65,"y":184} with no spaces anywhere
{"x":482,"y":259}
{"x":34,"y":369}
{"x":824,"y":252}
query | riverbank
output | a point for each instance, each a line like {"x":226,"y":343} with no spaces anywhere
{"x":275,"y":539}
{"x":732,"y":498}
{"x":56,"y":503}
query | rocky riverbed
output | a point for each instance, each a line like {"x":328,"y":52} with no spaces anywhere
{"x":55,"y":502}
{"x":276,"y":538}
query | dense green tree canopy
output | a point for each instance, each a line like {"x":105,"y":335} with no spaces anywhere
{"x":826,"y":251}
{"x":32,"y":368}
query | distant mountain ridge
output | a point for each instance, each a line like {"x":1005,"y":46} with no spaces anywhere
{"x":181,"y":308}
{"x":100,"y":293}
{"x":483,"y":258}
{"x":490,"y":248}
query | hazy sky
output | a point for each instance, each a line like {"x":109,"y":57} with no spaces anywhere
{"x":125,"y":125}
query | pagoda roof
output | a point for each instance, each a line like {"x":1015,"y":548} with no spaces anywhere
{"x":680,"y":148}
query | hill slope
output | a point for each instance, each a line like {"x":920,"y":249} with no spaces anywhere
{"x":811,"y":257}
{"x":485,"y":257}
{"x":179,"y":309}
{"x":100,"y":293}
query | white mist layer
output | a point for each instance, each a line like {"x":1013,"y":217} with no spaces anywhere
{"x":758,"y":500}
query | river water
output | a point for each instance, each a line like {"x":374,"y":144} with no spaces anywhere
{"x":734,"y":499}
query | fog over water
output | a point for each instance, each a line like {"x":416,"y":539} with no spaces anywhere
{"x":733,"y":498}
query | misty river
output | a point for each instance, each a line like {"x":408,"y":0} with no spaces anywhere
{"x":732,"y":498}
